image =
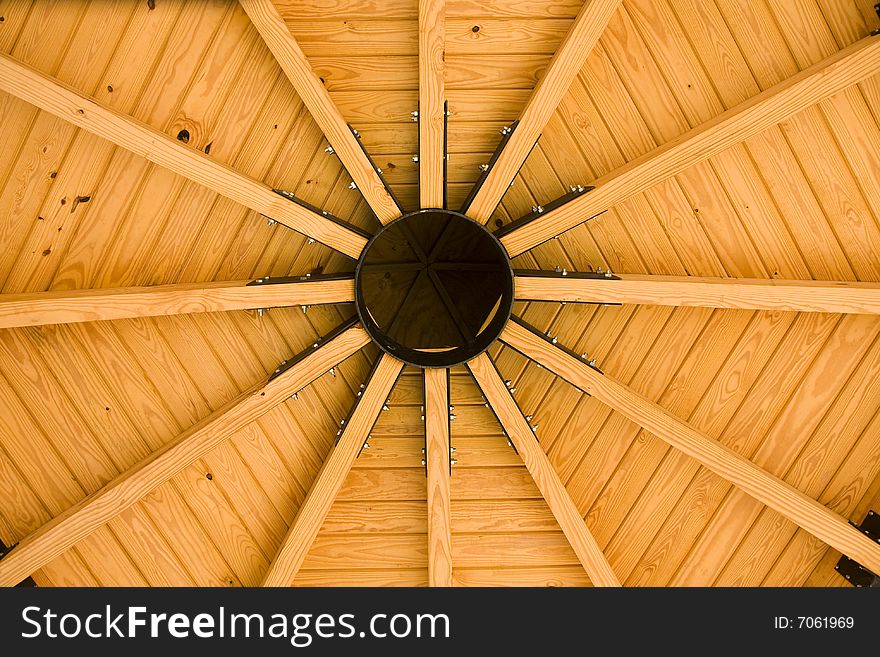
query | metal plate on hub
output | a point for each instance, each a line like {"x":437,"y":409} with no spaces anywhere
{"x":434,"y":288}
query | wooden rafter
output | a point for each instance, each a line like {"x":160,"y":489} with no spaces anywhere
{"x":141,"y":139}
{"x":535,"y":459}
{"x":551,"y":88}
{"x":271,"y":26}
{"x":831,"y":75}
{"x":65,"y":530}
{"x":40,"y":308}
{"x":326,"y":486}
{"x":437,"y":457}
{"x":765,"y":487}
{"x":744,"y":293}
{"x":432,"y":96}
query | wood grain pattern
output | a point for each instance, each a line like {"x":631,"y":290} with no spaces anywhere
{"x":327,"y":485}
{"x":553,"y":85}
{"x":437,"y":457}
{"x":69,"y":104}
{"x":749,"y":294}
{"x":293,"y":62}
{"x":743,"y":473}
{"x":538,"y":465}
{"x":42,"y":308}
{"x":830,"y":76}
{"x":79,"y":521}
{"x":432,"y":96}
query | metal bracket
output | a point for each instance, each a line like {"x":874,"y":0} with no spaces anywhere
{"x":855,"y":573}
{"x":378,"y":170}
{"x":290,"y":196}
{"x":359,"y":398}
{"x":555,"y":343}
{"x":506,"y":134}
{"x":25,"y":583}
{"x":339,"y":330}
{"x":564,"y":273}
{"x":555,"y":204}
{"x":307,"y":278}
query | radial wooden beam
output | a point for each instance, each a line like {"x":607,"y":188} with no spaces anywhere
{"x":745,"y":293}
{"x":65,"y":530}
{"x":535,"y":459}
{"x":271,"y":26}
{"x":40,"y":308}
{"x":432,"y":96}
{"x":329,"y":480}
{"x":551,"y":88}
{"x":69,"y":104}
{"x":845,"y":68}
{"x":437,"y":459}
{"x":768,"y":489}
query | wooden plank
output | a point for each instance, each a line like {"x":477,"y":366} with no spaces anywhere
{"x":145,"y":141}
{"x":745,"y":293}
{"x":437,"y":456}
{"x":432,"y":96}
{"x":725,"y":462}
{"x":320,"y":499}
{"x":538,"y":465}
{"x":129,"y":487}
{"x":271,"y":26}
{"x":831,"y":75}
{"x":42,"y":308}
{"x":568,"y":60}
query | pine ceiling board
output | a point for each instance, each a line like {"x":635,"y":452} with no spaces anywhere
{"x":354,"y":36}
{"x":810,"y":471}
{"x":554,"y":576}
{"x":378,"y":577}
{"x":499,"y":36}
{"x":341,"y":72}
{"x":494,"y":550}
{"x":777,"y":161}
{"x":513,"y":8}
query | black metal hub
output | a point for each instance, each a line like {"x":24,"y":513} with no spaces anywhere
{"x":434,"y":288}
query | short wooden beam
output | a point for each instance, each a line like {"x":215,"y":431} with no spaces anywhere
{"x":437,"y":463}
{"x":41,"y":308}
{"x":329,"y":480}
{"x":432,"y":98}
{"x":765,"y":487}
{"x":743,"y":293}
{"x":569,"y":59}
{"x":824,"y":79}
{"x":64,"y":531}
{"x":271,"y":26}
{"x":547,"y":480}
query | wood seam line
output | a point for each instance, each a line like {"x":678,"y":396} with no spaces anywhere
{"x":765,"y":487}
{"x":69,"y":104}
{"x":538,"y":464}
{"x":567,"y":62}
{"x":76,"y":523}
{"x":42,"y":308}
{"x":437,"y":464}
{"x":764,"y":110}
{"x":329,"y":480}
{"x":742,"y":293}
{"x":287,"y":52}
{"x":432,"y":96}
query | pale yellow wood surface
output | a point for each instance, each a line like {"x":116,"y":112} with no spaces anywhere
{"x":40,"y":308}
{"x":432,"y":95}
{"x":750,"y":294}
{"x":824,"y":79}
{"x":437,"y":456}
{"x":538,"y":465}
{"x":328,"y":482}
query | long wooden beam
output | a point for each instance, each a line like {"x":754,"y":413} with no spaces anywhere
{"x":41,"y":308}
{"x":432,"y":98}
{"x":329,"y":480}
{"x":768,"y":489}
{"x":65,"y":530}
{"x":841,"y":70}
{"x":745,"y":293}
{"x":535,"y":459}
{"x":549,"y":92}
{"x":271,"y":26}
{"x":437,"y":462}
{"x":69,"y":104}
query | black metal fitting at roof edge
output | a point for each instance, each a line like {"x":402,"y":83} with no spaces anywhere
{"x":317,"y":344}
{"x":572,"y":194}
{"x":359,"y":398}
{"x":378,"y":170}
{"x":562,"y":273}
{"x":306,"y":278}
{"x":591,"y":364}
{"x":854,"y":572}
{"x":290,"y":196}
{"x":506,"y":134}
{"x":492,"y":408}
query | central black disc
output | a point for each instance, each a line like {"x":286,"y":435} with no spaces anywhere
{"x":434,"y":288}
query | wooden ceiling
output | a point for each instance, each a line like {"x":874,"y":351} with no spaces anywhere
{"x":796,"y":392}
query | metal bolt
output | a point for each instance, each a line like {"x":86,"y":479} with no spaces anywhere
{"x":453,"y":461}
{"x":271,"y":222}
{"x":310,"y":241}
{"x":385,"y":407}
{"x":609,"y":273}
{"x":414,"y":115}
{"x":423,"y":461}
{"x":592,"y":363}
{"x":356,"y":133}
{"x":584,"y":355}
{"x":352,"y":185}
{"x":564,"y":271}
{"x":366,"y":445}
{"x":452,"y":417}
{"x":451,"y":408}
{"x":452,"y":450}
{"x":508,"y":382}
{"x":506,"y":130}
{"x":509,"y":444}
{"x":329,"y":150}
{"x":557,"y":269}
{"x":295,"y":396}
{"x":598,"y":270}
{"x":512,"y":390}
{"x":332,"y":372}
{"x":529,"y":418}
{"x":378,"y":170}
{"x":554,"y":340}
{"x":484,"y":167}
{"x":415,"y":159}
{"x":305,"y":310}
{"x":537,"y":208}
{"x":534,"y":427}
{"x":259,"y":312}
